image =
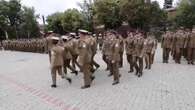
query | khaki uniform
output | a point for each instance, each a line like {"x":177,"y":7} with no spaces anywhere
{"x":114,"y":59}
{"x":84,"y":60}
{"x":56,"y":62}
{"x":129,"y":47}
{"x":74,"y":52}
{"x":93,"y":43}
{"x":190,"y":45}
{"x":106,"y":50}
{"x":67,"y":58}
{"x":166,"y":44}
{"x":150,"y":48}
{"x":179,"y":42}
{"x":138,"y":54}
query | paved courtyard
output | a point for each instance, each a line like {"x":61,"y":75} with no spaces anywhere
{"x":25,"y":85}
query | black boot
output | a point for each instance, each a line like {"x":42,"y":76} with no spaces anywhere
{"x":97,"y":67}
{"x":140,"y":74}
{"x":86,"y":86}
{"x":131,"y":71}
{"x":53,"y":86}
{"x":115,"y":83}
{"x":92,"y":78}
{"x":76,"y":73}
{"x":69,"y":80}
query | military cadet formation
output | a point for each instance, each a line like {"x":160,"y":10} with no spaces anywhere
{"x":77,"y":52}
{"x":25,"y":45}
{"x":179,"y":44}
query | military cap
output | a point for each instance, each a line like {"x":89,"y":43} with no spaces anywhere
{"x":65,"y":37}
{"x":83,"y":31}
{"x":73,"y":34}
{"x":55,"y":38}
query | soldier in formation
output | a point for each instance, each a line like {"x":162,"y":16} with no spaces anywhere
{"x":25,"y":45}
{"x":138,"y":47}
{"x":57,"y":61}
{"x":179,"y":43}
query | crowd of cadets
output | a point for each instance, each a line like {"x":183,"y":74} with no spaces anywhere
{"x":81,"y":50}
{"x":25,"y":45}
{"x":73,"y":52}
{"x":178,"y":44}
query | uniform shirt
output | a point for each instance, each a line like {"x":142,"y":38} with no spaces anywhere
{"x":179,"y":40}
{"x":191,"y":41}
{"x":167,"y":40}
{"x":115,"y":50}
{"x":57,"y":56}
{"x":85,"y":52}
{"x":138,"y":46}
{"x":150,"y":45}
{"x":74,"y":47}
{"x":67,"y":47}
{"x":129,"y":46}
{"x":106,"y":50}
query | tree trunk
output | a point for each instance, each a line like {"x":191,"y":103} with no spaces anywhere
{"x":6,"y":35}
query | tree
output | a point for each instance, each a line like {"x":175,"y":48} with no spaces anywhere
{"x":15,"y":20}
{"x":55,"y":23}
{"x":185,"y":14}
{"x":141,"y":15}
{"x":72,"y":20}
{"x":87,"y":10}
{"x":29,"y":26}
{"x":107,"y":13}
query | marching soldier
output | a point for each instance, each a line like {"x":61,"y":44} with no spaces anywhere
{"x":114,"y":57}
{"x":166,"y":44}
{"x":85,"y":56}
{"x":129,"y":46}
{"x":56,"y":61}
{"x":179,"y":42}
{"x":106,"y":51}
{"x":74,"y":50}
{"x":67,"y":56}
{"x":138,"y":54}
{"x":190,"y":45}
{"x":93,"y":43}
{"x":150,"y":48}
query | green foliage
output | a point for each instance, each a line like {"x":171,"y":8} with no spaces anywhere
{"x":87,"y":10}
{"x":54,"y":23}
{"x":142,"y":15}
{"x":69,"y":21}
{"x":107,"y":13}
{"x":185,"y":15}
{"x":29,"y":26}
{"x":17,"y":21}
{"x":72,"y":20}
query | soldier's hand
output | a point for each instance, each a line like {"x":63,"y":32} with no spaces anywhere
{"x":113,"y":61}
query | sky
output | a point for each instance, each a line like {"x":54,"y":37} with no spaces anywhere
{"x":47,"y":7}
